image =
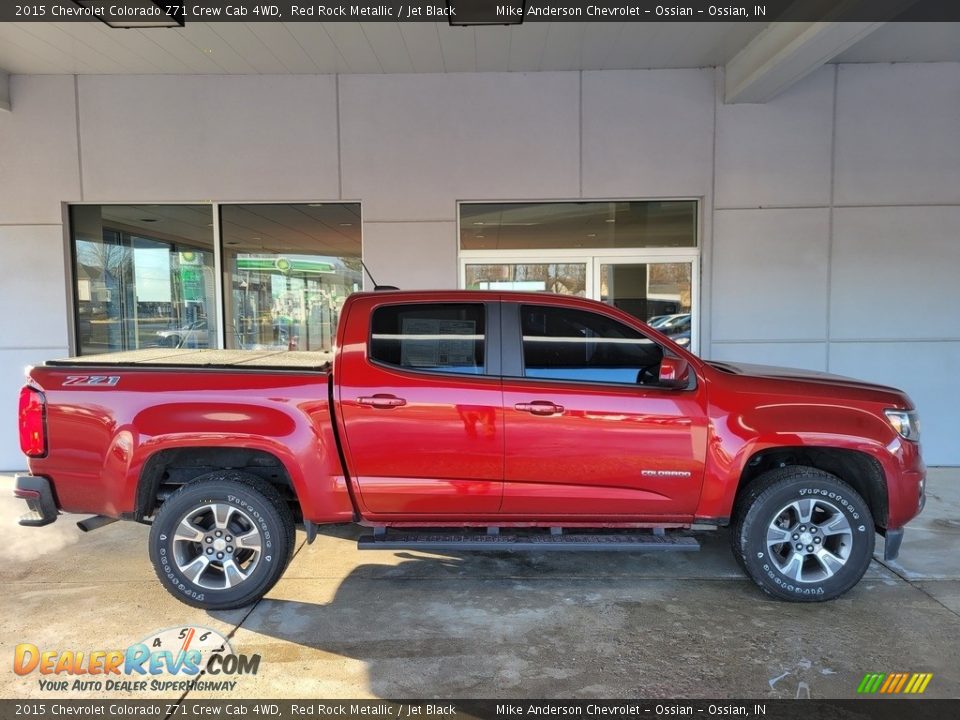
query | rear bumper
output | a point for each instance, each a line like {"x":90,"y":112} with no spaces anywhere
{"x":38,"y":495}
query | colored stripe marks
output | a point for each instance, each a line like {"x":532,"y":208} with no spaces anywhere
{"x":894,"y":683}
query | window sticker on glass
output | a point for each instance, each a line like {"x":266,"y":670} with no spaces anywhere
{"x":438,"y":337}
{"x":437,"y":343}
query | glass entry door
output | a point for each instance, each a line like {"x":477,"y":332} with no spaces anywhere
{"x":660,"y":292}
{"x":563,"y":275}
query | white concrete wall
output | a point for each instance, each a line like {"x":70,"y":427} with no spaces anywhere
{"x":412,"y":145}
{"x":39,"y":169}
{"x":206,"y":137}
{"x":830,"y":215}
{"x":647,"y":133}
{"x":854,"y":175}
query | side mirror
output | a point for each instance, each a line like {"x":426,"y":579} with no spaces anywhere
{"x":674,"y":372}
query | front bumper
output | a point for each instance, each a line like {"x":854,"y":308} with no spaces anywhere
{"x":894,"y":537}
{"x":37,"y":493}
{"x":913,"y":488}
{"x":891,"y":544}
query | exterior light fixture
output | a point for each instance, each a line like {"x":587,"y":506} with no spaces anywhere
{"x":136,"y":13}
{"x":486,"y":12}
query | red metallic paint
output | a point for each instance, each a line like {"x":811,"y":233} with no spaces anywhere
{"x":439,"y":452}
{"x":100,"y":437}
{"x":775,"y":408}
{"x":457,"y":451}
{"x":612,"y":451}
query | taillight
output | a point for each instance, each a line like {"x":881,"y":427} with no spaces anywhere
{"x":33,"y":422}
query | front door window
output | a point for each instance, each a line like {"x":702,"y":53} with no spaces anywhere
{"x":564,"y":344}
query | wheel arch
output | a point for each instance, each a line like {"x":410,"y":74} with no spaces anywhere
{"x":167,"y":469}
{"x":856,"y":468}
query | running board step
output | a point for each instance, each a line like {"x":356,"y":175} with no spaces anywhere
{"x":496,"y":542}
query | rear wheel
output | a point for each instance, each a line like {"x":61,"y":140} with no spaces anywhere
{"x":222,"y":541}
{"x":803,"y":534}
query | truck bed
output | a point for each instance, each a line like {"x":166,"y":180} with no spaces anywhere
{"x":173,"y":357}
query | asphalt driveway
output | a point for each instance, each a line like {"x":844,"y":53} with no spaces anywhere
{"x":350,"y":624}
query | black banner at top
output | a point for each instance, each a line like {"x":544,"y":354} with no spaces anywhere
{"x":187,"y":708}
{"x":175,"y":14}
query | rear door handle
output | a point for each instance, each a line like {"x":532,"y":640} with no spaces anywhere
{"x":540,"y":407}
{"x":382,"y":401}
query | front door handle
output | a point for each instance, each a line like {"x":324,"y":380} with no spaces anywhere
{"x":540,"y":407}
{"x":382,"y":401}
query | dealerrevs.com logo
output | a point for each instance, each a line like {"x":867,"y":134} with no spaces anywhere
{"x":175,"y":659}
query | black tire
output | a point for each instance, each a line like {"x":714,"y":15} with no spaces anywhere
{"x":769,"y":501}
{"x":251,"y":505}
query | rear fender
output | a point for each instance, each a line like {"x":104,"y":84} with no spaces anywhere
{"x":323,"y":498}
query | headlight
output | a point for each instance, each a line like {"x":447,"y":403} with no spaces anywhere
{"x":682,"y":342}
{"x":905,"y":422}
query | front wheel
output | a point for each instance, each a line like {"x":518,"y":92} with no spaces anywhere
{"x":804,"y":535}
{"x":222,"y":541}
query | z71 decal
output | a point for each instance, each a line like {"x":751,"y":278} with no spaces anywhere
{"x":110,"y":380}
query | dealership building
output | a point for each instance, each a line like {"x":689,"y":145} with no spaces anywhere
{"x":783,"y":194}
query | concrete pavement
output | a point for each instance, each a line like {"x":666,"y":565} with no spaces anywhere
{"x":349,"y":624}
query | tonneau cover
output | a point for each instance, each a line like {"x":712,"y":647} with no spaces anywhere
{"x":171,"y":357}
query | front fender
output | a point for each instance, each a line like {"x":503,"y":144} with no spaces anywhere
{"x":738,"y":437}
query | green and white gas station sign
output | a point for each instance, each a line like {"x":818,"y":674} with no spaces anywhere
{"x":285,"y":265}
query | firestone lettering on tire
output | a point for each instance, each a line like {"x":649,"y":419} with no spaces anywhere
{"x":833,"y":496}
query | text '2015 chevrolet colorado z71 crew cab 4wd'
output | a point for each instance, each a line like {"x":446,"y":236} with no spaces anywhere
{"x":485,"y":420}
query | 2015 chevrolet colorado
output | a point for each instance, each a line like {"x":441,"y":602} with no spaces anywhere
{"x":494,"y":421}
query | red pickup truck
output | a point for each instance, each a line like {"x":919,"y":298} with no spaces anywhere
{"x":484,"y":420}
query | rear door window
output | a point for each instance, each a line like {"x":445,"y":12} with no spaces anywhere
{"x":432,"y":337}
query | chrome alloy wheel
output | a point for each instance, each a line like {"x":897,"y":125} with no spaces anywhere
{"x":216,"y":546}
{"x":809,"y":540}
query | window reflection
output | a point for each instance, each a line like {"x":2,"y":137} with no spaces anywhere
{"x":569,"y":225}
{"x":563,"y":278}
{"x":660,"y":294}
{"x":288,"y":270}
{"x":435,"y":337}
{"x":144,"y":276}
{"x":566,"y":344}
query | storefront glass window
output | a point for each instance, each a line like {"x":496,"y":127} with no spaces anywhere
{"x":287,"y":271}
{"x":641,"y":256}
{"x":572,"y":225}
{"x":144,"y":277}
{"x":564,"y":278}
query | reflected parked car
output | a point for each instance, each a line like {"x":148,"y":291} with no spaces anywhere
{"x":191,"y":335}
{"x":682,"y":339}
{"x":677,"y":326}
{"x":671,"y":324}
